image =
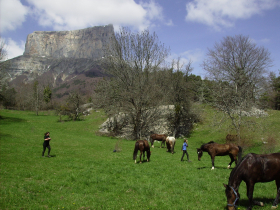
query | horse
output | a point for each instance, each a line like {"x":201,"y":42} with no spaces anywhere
{"x":143,"y":146}
{"x":158,"y":137}
{"x":170,"y":143}
{"x":231,"y":138}
{"x":251,"y":169}
{"x":215,"y":149}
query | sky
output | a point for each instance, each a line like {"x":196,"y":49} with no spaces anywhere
{"x":188,"y":27}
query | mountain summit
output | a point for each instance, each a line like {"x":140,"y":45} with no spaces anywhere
{"x":61,"y":56}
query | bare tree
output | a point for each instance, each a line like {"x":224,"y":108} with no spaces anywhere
{"x":236,"y":65}
{"x":132,"y":61}
{"x":3,"y":65}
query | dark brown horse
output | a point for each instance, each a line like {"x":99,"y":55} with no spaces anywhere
{"x":251,"y":169}
{"x":215,"y":149}
{"x":158,"y":137}
{"x":143,"y":146}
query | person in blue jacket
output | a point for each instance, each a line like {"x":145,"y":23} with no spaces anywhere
{"x":184,"y":148}
{"x":46,"y":144}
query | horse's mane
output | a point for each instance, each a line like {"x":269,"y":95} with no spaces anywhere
{"x":232,"y":174}
{"x":203,"y":145}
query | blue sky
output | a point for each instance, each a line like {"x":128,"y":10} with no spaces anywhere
{"x":188,"y":27}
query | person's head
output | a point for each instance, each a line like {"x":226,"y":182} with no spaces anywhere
{"x":186,"y":140}
{"x":47,"y":133}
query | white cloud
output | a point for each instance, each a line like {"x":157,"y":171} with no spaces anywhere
{"x":196,"y":56}
{"x":265,"y":40}
{"x":77,"y":14}
{"x":14,"y":49}
{"x":223,"y":13}
{"x":13,"y":14}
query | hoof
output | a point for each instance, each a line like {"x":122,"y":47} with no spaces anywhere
{"x":228,"y":167}
{"x":274,"y":207}
{"x":261,"y":203}
{"x":212,"y":168}
{"x":140,"y":162}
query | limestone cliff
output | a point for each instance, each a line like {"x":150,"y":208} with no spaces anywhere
{"x":85,"y":43}
{"x":61,"y":56}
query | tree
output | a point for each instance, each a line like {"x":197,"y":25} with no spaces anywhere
{"x":9,"y":96}
{"x":236,"y":65}
{"x":132,"y":61}
{"x":36,"y":96}
{"x":275,"y":83}
{"x":3,"y":66}
{"x":179,"y":95}
{"x":73,"y":109}
{"x":47,"y":94}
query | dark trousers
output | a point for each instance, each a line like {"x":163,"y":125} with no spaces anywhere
{"x":185,"y":152}
{"x":44,"y":149}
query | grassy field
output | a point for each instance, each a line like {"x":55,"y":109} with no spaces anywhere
{"x":85,"y":173}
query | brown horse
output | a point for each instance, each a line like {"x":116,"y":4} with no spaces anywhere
{"x":158,"y":137}
{"x":231,"y":138}
{"x":143,"y":146}
{"x":251,"y":169}
{"x":215,"y":149}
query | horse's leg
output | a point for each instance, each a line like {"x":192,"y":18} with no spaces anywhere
{"x":276,"y":201}
{"x":213,"y":159}
{"x":141,"y":156}
{"x":173,"y":148}
{"x":250,"y":190}
{"x":232,"y":158}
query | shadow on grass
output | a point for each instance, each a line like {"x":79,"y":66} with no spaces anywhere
{"x":216,"y":167}
{"x":143,"y":161}
{"x":8,"y":120}
{"x":50,"y":156}
{"x":245,"y":202}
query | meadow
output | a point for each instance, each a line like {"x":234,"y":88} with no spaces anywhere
{"x":83,"y":172}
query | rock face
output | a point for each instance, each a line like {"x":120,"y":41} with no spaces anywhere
{"x":61,"y":55}
{"x":85,"y":43}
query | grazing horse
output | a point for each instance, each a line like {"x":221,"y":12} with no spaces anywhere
{"x":143,"y":146}
{"x":170,"y":143}
{"x":251,"y":169}
{"x":158,"y":137}
{"x":231,"y":138}
{"x":215,"y":149}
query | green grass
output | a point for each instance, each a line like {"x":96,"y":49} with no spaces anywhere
{"x":85,"y":173}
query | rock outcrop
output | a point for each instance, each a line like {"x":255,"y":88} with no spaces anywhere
{"x":86,"y":43}
{"x":61,"y":55}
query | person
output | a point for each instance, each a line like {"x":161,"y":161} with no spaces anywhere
{"x":184,"y":148}
{"x":46,"y":144}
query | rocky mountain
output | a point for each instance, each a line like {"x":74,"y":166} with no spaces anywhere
{"x":61,"y":57}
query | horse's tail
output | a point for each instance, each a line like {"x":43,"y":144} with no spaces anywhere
{"x":135,"y":150}
{"x":239,"y":153}
{"x":152,"y":139}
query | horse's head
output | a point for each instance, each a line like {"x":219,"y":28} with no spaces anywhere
{"x":232,"y":197}
{"x":200,"y":153}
